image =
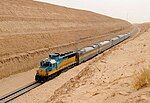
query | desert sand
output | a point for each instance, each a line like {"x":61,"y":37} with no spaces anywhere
{"x":110,"y":78}
{"x":30,"y":31}
{"x":103,"y":79}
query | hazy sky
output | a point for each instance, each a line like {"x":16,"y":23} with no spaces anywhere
{"x":132,"y":10}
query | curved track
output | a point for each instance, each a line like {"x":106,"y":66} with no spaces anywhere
{"x":12,"y":95}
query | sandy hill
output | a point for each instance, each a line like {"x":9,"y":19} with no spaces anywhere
{"x":30,"y":30}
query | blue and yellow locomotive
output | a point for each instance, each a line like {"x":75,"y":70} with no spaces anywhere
{"x":52,"y":66}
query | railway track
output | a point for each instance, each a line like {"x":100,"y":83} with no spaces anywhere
{"x":18,"y":92}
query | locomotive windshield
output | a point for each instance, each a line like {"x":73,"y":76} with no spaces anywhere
{"x":45,"y":64}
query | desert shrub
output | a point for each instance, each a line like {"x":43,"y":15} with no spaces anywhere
{"x":142,"y":79}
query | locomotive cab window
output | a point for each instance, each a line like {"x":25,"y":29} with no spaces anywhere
{"x":44,"y":64}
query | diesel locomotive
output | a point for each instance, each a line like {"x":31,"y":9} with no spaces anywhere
{"x":56,"y":63}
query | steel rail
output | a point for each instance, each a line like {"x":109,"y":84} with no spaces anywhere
{"x":18,"y":92}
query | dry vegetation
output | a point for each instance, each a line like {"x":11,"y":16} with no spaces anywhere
{"x":142,"y":79}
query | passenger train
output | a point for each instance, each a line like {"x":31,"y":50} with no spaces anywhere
{"x":56,"y":63}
